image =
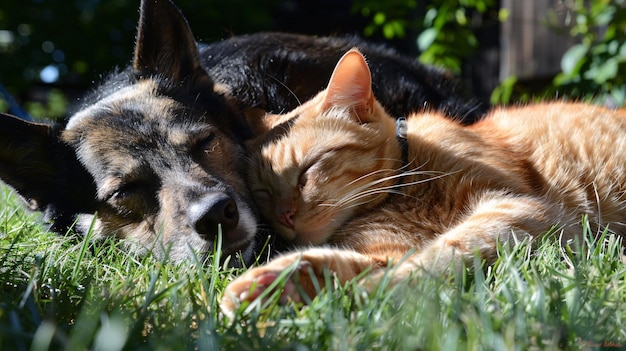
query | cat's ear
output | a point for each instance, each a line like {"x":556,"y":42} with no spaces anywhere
{"x":351,"y":86}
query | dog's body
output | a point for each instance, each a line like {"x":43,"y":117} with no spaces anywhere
{"x":156,"y":150}
{"x":278,"y":71}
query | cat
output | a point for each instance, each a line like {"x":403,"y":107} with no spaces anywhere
{"x":333,"y":175}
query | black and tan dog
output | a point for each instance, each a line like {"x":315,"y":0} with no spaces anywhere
{"x":156,"y":151}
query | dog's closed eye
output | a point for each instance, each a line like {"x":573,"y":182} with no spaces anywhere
{"x":133,"y":199}
{"x":208,"y":143}
{"x":124,"y":191}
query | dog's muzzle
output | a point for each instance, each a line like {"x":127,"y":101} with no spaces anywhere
{"x":210,"y":212}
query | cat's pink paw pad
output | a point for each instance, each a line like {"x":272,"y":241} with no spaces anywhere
{"x":259,"y":284}
{"x":249,"y":290}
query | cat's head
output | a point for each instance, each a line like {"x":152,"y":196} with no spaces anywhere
{"x":328,"y":160}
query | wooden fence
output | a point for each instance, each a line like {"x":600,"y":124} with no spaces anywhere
{"x":529,"y":49}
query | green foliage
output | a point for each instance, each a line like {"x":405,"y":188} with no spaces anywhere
{"x":503,"y":92}
{"x":448,"y":35}
{"x":391,"y":18}
{"x":447,"y":27}
{"x":55,"y":105}
{"x":598,"y":64}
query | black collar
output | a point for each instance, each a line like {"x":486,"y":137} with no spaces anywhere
{"x":401,"y":130}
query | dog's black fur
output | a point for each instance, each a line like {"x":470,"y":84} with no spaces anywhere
{"x":157,"y":149}
{"x":278,"y":71}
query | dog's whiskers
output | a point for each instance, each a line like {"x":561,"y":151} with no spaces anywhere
{"x":286,"y":87}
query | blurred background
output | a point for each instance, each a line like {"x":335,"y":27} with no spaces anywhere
{"x":505,"y":51}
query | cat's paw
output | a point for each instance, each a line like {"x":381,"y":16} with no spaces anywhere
{"x":291,"y":276}
{"x":298,"y":277}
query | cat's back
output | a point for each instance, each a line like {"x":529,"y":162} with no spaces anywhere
{"x":577,"y":132}
{"x":558,"y":116}
{"x":578,"y":150}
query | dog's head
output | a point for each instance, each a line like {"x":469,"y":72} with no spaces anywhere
{"x":155,"y":151}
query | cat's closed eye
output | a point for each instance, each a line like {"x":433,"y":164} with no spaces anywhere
{"x":304,"y":178}
{"x":315,"y":168}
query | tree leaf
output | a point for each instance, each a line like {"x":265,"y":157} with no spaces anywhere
{"x":572,"y":56}
{"x":426,"y":38}
{"x":603,"y":72}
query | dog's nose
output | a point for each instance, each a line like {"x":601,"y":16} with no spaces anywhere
{"x":212,"y":210}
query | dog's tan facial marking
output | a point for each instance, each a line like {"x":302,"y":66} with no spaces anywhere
{"x":144,"y":91}
{"x":178,"y":137}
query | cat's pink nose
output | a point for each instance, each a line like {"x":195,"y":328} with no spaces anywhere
{"x":286,"y":218}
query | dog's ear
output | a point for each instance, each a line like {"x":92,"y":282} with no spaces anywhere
{"x":25,"y":160}
{"x":42,"y":169}
{"x":165,"y":45}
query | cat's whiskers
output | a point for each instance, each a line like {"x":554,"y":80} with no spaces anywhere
{"x":394,"y":189}
{"x":352,"y":199}
{"x":371,"y":174}
{"x":396,"y":173}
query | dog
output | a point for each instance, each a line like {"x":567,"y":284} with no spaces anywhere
{"x":155,"y":153}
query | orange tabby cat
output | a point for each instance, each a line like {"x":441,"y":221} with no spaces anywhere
{"x":333,"y":172}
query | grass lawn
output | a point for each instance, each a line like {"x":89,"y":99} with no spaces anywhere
{"x":67,"y":293}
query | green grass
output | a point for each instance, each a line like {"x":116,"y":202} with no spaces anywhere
{"x":68,"y":293}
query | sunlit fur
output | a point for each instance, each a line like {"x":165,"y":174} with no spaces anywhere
{"x":513,"y":175}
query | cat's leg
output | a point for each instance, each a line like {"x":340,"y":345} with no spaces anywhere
{"x":495,"y":217}
{"x":306,"y":275}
